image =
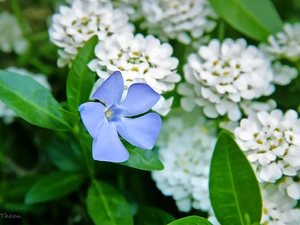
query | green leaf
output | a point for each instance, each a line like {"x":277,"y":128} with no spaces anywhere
{"x":81,"y":79}
{"x":31,"y":101}
{"x":53,"y":186}
{"x":234,"y":190}
{"x":143,"y":160}
{"x":62,"y":156}
{"x":254,"y":18}
{"x":191,"y":220}
{"x":106,"y":206}
{"x":148,"y":215}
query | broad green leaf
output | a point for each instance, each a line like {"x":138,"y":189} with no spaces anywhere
{"x":53,"y":186}
{"x":62,"y":156}
{"x":148,"y":215}
{"x":191,"y":220}
{"x":106,"y":206}
{"x":234,"y":190}
{"x":254,"y":18}
{"x":81,"y":79}
{"x":31,"y":101}
{"x":143,"y":160}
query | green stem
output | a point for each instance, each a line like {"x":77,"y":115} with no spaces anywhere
{"x":89,"y":163}
{"x":18,"y":13}
{"x":221,"y":30}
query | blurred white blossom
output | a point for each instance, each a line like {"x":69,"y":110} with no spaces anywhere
{"x":74,"y":25}
{"x":6,"y":113}
{"x":140,"y":59}
{"x":11,"y":36}
{"x":223,"y":77}
{"x":271,"y":142}
{"x":278,"y":207}
{"x":184,"y":20}
{"x":284,"y":44}
{"x":185,"y":148}
{"x":283,"y":74}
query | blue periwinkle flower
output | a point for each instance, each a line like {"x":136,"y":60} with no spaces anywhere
{"x":105,"y":121}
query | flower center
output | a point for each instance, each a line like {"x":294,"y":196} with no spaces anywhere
{"x":108,"y":114}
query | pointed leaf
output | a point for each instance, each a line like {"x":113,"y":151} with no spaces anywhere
{"x":143,"y":160}
{"x":106,"y":206}
{"x":234,"y":190}
{"x":53,"y":186}
{"x":191,"y":220}
{"x":254,"y":18}
{"x":31,"y":101}
{"x":148,"y":215}
{"x":81,"y":79}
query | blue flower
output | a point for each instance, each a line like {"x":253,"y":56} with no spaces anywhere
{"x":105,"y":121}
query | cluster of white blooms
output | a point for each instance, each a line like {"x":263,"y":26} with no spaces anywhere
{"x":224,"y":77}
{"x":285,"y":44}
{"x":271,"y":142}
{"x":11,"y":37}
{"x":184,"y":20}
{"x":74,"y":25}
{"x":7,"y":114}
{"x":278,"y":208}
{"x":140,"y":59}
{"x":283,"y":74}
{"x":185,"y":148}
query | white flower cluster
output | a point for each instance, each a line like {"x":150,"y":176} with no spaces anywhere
{"x":278,"y":208}
{"x":184,"y":20}
{"x":6,"y":113}
{"x":285,"y":44}
{"x":186,"y":150}
{"x":224,"y":77}
{"x":11,"y":37}
{"x":74,"y":25}
{"x":271,"y":142}
{"x":141,"y":59}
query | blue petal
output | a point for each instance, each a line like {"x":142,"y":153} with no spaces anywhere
{"x":140,"y":98}
{"x":107,"y":145}
{"x":92,"y":115}
{"x":142,"y":131}
{"x":111,"y":90}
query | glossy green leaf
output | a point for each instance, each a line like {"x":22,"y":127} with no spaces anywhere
{"x":53,"y":186}
{"x":234,"y":190}
{"x":191,"y":220}
{"x":81,"y":79}
{"x":106,"y":206}
{"x":143,"y":160}
{"x":148,"y":215}
{"x":254,"y":18}
{"x":31,"y":101}
{"x":62,"y":156}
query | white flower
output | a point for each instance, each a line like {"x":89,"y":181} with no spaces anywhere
{"x":224,"y":75}
{"x":184,"y":20}
{"x":141,"y":59}
{"x":278,"y":208}
{"x":185,"y":148}
{"x":7,"y":114}
{"x":271,"y":142}
{"x":285,"y":44}
{"x":283,"y":74}
{"x":74,"y":25}
{"x":11,"y":37}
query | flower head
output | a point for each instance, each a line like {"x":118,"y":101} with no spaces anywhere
{"x":105,"y":121}
{"x":74,"y":25}
{"x":224,"y":75}
{"x":284,"y":44}
{"x":184,"y":20}
{"x":272,"y":143}
{"x":11,"y":38}
{"x":185,"y":148}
